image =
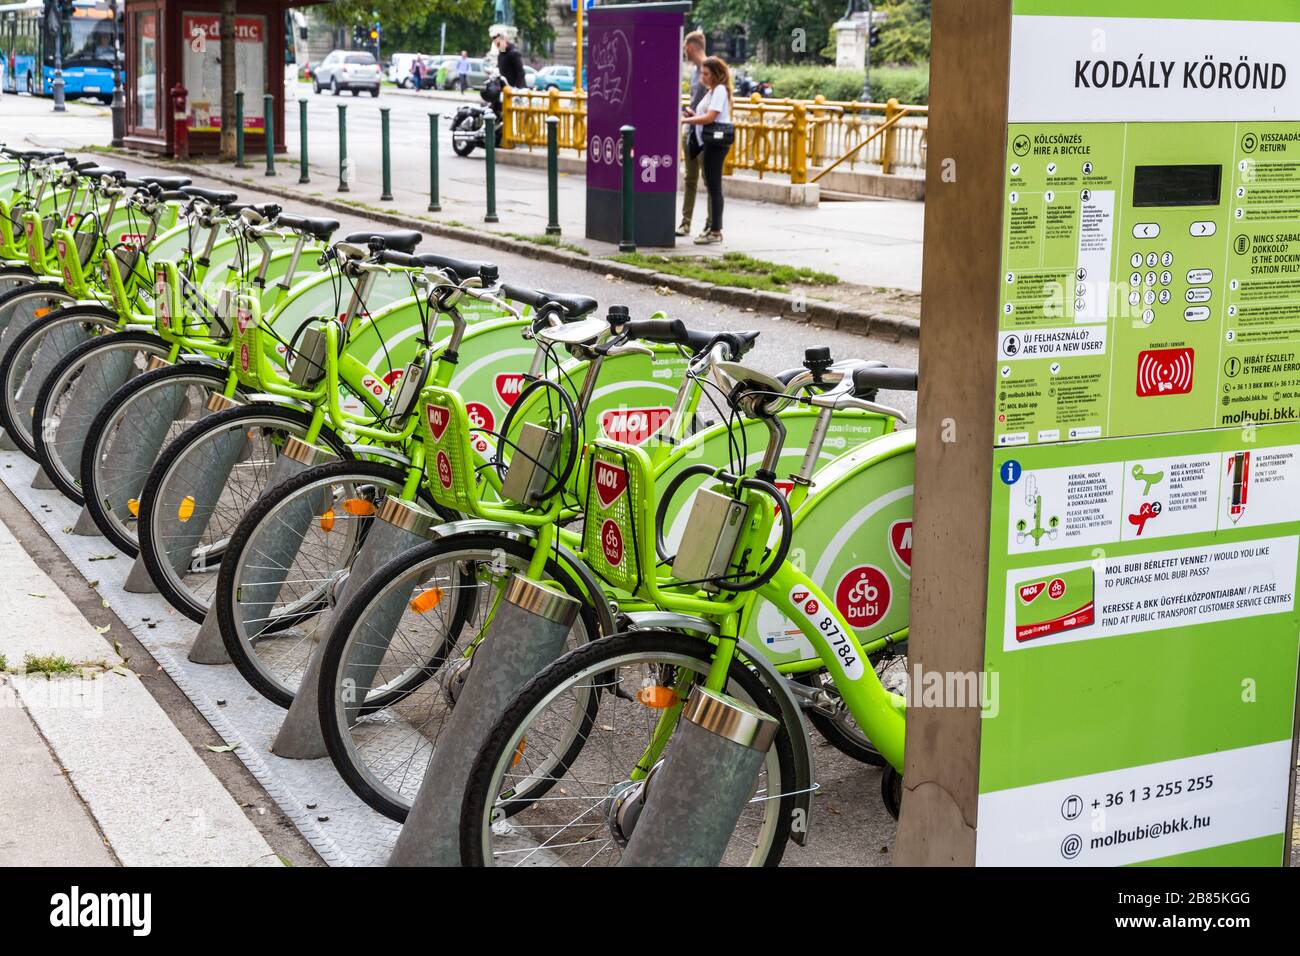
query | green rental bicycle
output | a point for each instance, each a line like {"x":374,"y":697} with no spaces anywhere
{"x":572,"y":759}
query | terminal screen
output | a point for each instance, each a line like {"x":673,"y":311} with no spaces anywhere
{"x":1176,"y":185}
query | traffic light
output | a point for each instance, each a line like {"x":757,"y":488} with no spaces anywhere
{"x":873,"y":36}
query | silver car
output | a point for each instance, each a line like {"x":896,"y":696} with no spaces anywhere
{"x":354,"y":70}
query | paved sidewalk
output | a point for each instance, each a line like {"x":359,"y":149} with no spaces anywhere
{"x":94,"y":771}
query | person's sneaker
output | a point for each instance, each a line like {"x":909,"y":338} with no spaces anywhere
{"x":708,"y":238}
{"x":684,"y":229}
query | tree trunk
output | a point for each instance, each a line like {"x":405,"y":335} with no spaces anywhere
{"x":228,"y":80}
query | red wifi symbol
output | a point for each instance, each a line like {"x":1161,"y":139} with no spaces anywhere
{"x":1164,"y":372}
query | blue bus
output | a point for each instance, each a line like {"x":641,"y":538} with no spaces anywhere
{"x":27,"y":46}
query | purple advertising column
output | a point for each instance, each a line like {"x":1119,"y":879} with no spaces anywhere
{"x":634,"y":68}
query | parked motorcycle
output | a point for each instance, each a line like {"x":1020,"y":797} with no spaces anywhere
{"x":745,"y":85}
{"x":467,"y":124}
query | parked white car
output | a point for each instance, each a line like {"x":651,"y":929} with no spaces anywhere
{"x":399,"y":69}
{"x":354,"y":70}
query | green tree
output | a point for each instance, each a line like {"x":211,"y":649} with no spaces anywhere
{"x":905,"y":32}
{"x":791,"y":30}
{"x":416,"y":24}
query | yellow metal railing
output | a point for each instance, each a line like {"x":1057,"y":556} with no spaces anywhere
{"x":802,"y":139}
{"x":524,"y":114}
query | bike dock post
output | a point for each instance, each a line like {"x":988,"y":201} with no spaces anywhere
{"x":398,"y":527}
{"x":387,"y":194}
{"x":434,"y":204}
{"x":530,"y":630}
{"x":343,"y":147}
{"x":628,"y":242}
{"x":552,"y":175}
{"x":268,"y":131}
{"x":490,"y":172}
{"x":279,"y":547}
{"x":296,"y":457}
{"x":239,"y":130}
{"x":687,"y":809}
{"x":303,"y":175}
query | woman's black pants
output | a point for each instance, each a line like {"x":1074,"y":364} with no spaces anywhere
{"x":714,"y":157}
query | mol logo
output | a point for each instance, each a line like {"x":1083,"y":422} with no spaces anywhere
{"x":508,"y":387}
{"x":632,"y":426}
{"x":133,"y":241}
{"x":439,"y":417}
{"x":1164,"y":372}
{"x":1029,"y":592}
{"x":611,"y":481}
{"x":243,"y":318}
{"x":863,"y":595}
{"x":900,"y":544}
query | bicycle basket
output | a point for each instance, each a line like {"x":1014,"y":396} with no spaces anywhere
{"x":448,"y":458}
{"x":617,"y":525}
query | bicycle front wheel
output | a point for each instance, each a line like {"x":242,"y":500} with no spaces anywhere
{"x":285,"y":562}
{"x":391,"y":671}
{"x":128,"y":433}
{"x":531,"y":800}
{"x":202,"y":486}
{"x":73,"y":394}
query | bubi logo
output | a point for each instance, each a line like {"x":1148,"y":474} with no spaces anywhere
{"x":1056,"y":590}
{"x":611,"y":481}
{"x":863,"y":595}
{"x":632,"y":426}
{"x":1164,"y":372}
{"x":508,"y":386}
{"x":444,"y":469}
{"x":439,"y":417}
{"x":611,"y":542}
{"x":393,"y":377}
{"x":482,"y":419}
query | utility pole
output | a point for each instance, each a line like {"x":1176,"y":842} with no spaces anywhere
{"x":54,"y":17}
{"x":119,"y":99}
{"x":872,"y":39}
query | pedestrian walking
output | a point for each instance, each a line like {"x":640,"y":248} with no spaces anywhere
{"x":417,"y":73}
{"x":462,"y":71}
{"x":714,"y":134}
{"x":693,"y":53}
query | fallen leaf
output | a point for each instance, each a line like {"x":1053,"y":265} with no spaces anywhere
{"x":34,"y":594}
{"x":223,"y":749}
{"x":104,"y":557}
{"x":103,"y":630}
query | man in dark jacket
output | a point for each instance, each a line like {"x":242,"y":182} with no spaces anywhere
{"x":510,"y":63}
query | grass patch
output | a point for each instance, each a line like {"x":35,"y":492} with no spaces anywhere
{"x":4,"y":664}
{"x":733,"y":269}
{"x":555,"y":242}
{"x":48,"y":664}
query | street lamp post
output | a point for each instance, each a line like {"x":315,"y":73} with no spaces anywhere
{"x":119,"y":97}
{"x":54,"y":16}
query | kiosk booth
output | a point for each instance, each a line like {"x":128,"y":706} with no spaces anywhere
{"x":170,"y":43}
{"x":1108,"y":454}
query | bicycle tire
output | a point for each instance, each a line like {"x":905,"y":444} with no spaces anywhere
{"x":597,"y":657}
{"x":352,"y":613}
{"x":46,"y":456}
{"x":94,"y":493}
{"x":295,"y":421}
{"x":225,"y":598}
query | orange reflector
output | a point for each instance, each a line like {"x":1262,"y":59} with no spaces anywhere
{"x":44,"y":311}
{"x":423,"y":603}
{"x":358,"y":506}
{"x":519,"y":752}
{"x":657,"y":697}
{"x":186,"y":509}
{"x":327,"y":520}
{"x":133,"y":506}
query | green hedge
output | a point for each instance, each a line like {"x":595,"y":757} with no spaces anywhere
{"x":908,"y":84}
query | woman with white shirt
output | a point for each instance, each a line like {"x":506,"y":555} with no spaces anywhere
{"x":714,"y":135}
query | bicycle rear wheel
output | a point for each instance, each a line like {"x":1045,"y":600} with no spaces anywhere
{"x":529,"y":803}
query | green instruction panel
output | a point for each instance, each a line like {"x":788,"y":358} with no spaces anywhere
{"x":1142,"y":633}
{"x":1152,"y":279}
